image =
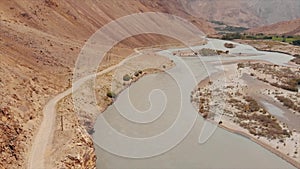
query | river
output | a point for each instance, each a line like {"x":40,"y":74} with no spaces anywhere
{"x":161,"y":98}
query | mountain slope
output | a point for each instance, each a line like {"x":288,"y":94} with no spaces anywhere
{"x":39,"y":43}
{"x":251,"y":13}
{"x":282,"y":28}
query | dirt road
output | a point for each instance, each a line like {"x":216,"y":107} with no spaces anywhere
{"x":45,"y":132}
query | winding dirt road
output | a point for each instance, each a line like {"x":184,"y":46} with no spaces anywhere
{"x":45,"y":132}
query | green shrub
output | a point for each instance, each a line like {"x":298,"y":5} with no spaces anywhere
{"x":126,"y":77}
{"x":111,"y":94}
{"x":91,"y":131}
{"x":296,"y":42}
{"x":241,"y":65}
{"x":267,"y":37}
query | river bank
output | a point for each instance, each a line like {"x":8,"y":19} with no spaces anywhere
{"x":273,"y":46}
{"x":104,"y":84}
{"x":200,"y":154}
{"x":263,"y":144}
{"x":244,"y":115}
{"x":68,"y":148}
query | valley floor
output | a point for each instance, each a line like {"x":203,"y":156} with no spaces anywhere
{"x":69,"y":145}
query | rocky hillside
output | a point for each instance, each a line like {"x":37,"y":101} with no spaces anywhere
{"x":250,"y":13}
{"x":282,"y":28}
{"x":39,"y":43}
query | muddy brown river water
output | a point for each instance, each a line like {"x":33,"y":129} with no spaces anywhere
{"x":156,"y":102}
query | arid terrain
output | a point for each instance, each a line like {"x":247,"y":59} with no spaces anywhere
{"x":41,"y":40}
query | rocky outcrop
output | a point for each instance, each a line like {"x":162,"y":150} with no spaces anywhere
{"x":85,"y":159}
{"x":72,"y":146}
{"x":10,"y":138}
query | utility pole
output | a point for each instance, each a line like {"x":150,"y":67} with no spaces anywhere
{"x":62,"y":123}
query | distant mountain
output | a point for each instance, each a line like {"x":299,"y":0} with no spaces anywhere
{"x":245,"y":13}
{"x":282,"y":28}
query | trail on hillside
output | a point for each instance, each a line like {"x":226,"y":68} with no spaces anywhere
{"x":45,"y":132}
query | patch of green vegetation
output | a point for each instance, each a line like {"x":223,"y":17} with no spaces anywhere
{"x":289,"y":39}
{"x":294,"y":40}
{"x":258,"y":37}
{"x":283,"y":39}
